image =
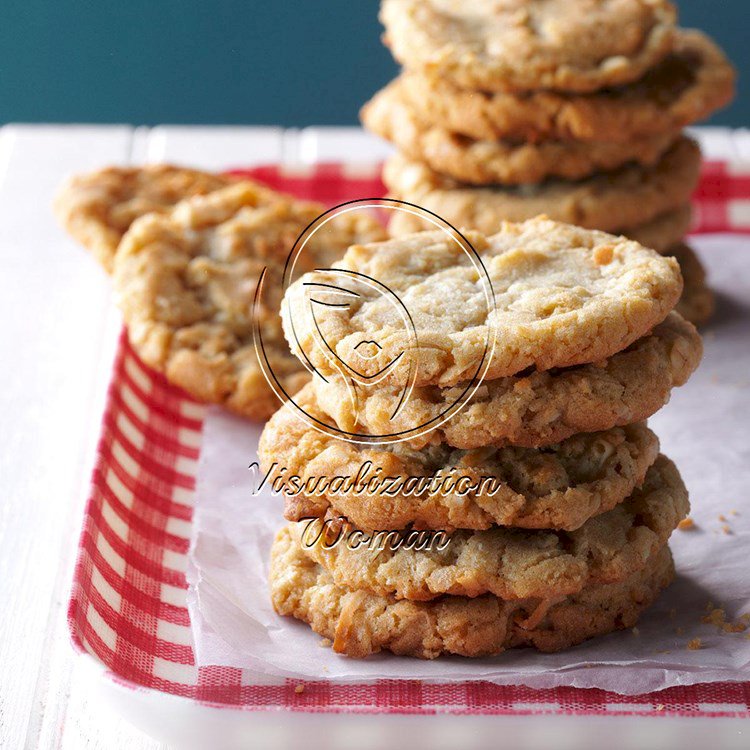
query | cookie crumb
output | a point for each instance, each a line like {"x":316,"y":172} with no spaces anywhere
{"x":725,"y":528}
{"x":687,"y":524}
{"x":660,"y":707}
{"x":694,"y":644}
{"x":299,"y":689}
{"x":636,"y":632}
{"x":722,"y":517}
{"x":717,"y":617}
{"x":325,"y":643}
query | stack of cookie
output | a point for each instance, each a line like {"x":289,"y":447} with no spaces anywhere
{"x":481,"y":478}
{"x":186,"y":250}
{"x":507,"y":110}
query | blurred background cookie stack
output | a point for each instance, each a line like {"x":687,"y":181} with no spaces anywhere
{"x":534,"y":511}
{"x":506,"y":110}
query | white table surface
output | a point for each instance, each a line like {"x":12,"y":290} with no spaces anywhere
{"x":58,"y":339}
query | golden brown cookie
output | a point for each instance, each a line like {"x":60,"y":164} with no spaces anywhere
{"x":628,"y":197}
{"x":557,"y":488}
{"x":530,"y":44}
{"x":186,"y":282}
{"x":360,"y":623}
{"x":697,"y":302}
{"x":660,"y":234}
{"x":562,"y":296}
{"x":99,"y":207}
{"x":535,"y":409}
{"x":694,"y":81}
{"x":483,"y":162}
{"x":506,"y":562}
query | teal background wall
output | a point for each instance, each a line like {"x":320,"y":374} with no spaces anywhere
{"x":292,"y":63}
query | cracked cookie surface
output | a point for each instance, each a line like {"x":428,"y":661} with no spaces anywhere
{"x":98,"y":208}
{"x":629,"y":197}
{"x":482,"y":162}
{"x":530,"y":44}
{"x":186,"y":283}
{"x":558,"y":488}
{"x":691,"y":83}
{"x":561,"y":296}
{"x":532,"y":410}
{"x":507,"y":562}
{"x":360,"y":623}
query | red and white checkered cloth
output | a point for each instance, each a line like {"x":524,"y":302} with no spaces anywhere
{"x":127,"y":607}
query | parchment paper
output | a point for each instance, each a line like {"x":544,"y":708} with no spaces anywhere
{"x":704,"y":429}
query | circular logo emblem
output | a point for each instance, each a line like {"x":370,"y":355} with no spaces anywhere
{"x":318,"y":305}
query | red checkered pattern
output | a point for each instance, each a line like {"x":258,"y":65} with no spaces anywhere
{"x":722,"y":200}
{"x":127,"y":606}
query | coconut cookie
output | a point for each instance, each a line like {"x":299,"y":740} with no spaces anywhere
{"x":186,"y":283}
{"x":694,"y":81}
{"x":530,"y":44}
{"x":98,"y":208}
{"x":506,"y":562}
{"x":697,"y":302}
{"x":660,"y":234}
{"x":533,"y":410}
{"x":626,"y":198}
{"x":558,"y":488}
{"x":483,"y":162}
{"x":360,"y":623}
{"x":561,"y":296}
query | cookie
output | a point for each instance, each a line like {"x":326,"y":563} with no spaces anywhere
{"x":558,"y":488}
{"x":484,"y":162}
{"x":186,"y":282}
{"x":628,"y":197}
{"x":562,"y":296}
{"x":697,"y":302}
{"x":98,"y":208}
{"x":694,"y":81}
{"x":535,"y":409}
{"x":530,"y":44}
{"x":660,"y":234}
{"x":506,"y":562}
{"x":360,"y":623}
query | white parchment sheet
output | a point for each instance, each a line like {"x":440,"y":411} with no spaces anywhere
{"x":704,"y":429}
